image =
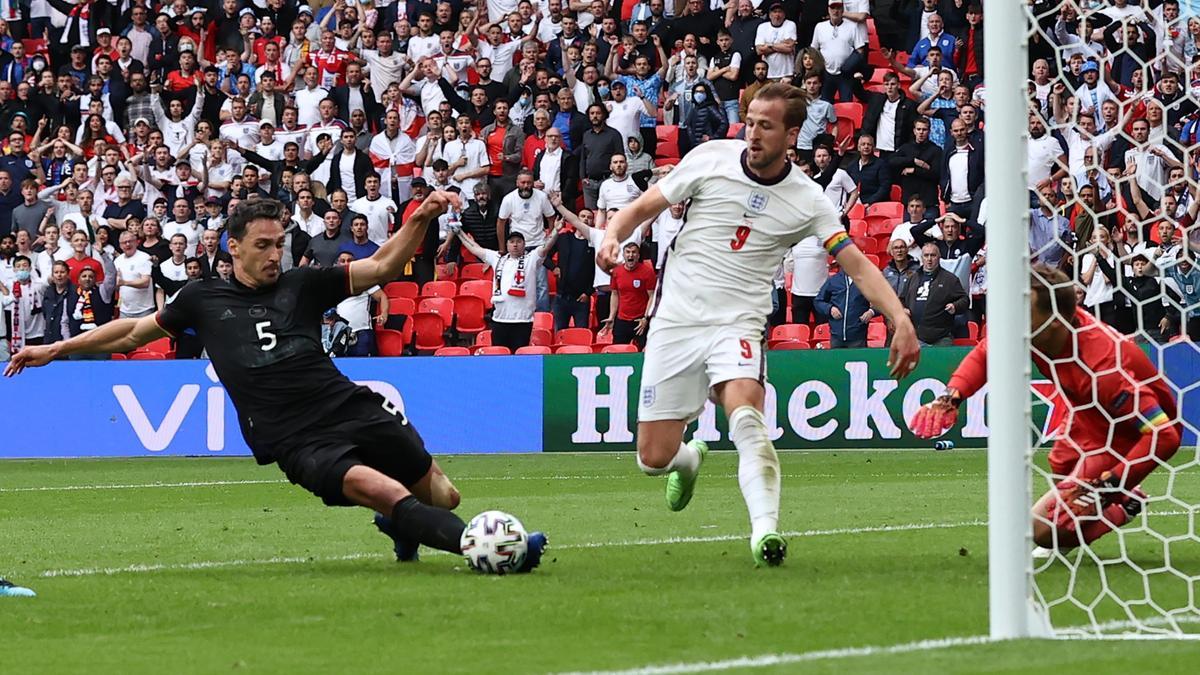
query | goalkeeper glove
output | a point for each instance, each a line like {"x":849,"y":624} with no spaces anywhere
{"x":935,"y":417}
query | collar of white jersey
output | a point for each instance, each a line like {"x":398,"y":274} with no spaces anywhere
{"x":787,"y":169}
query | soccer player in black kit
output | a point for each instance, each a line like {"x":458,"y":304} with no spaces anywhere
{"x":342,"y":442}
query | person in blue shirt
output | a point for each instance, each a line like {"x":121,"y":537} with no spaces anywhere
{"x":359,"y":245}
{"x":937,"y":38}
{"x":1187,"y":279}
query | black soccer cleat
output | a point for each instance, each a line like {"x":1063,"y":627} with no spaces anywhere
{"x":536,"y":546}
{"x":406,"y":550}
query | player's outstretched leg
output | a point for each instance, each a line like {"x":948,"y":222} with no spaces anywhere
{"x":434,"y":489}
{"x":410,"y":519}
{"x":10,"y":590}
{"x":758,"y":475}
{"x":1079,"y":511}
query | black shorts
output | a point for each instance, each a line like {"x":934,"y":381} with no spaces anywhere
{"x":365,"y":433}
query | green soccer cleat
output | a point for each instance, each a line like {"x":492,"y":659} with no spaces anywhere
{"x":680,"y":489}
{"x":769,"y":551}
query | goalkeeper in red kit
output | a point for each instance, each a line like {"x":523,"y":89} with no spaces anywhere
{"x":1120,"y":424}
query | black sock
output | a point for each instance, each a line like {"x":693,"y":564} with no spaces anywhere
{"x":429,"y":525}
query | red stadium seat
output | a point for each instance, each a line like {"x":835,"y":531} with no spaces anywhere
{"x":896,"y":194}
{"x":791,"y":331}
{"x":894,"y":210}
{"x":35,"y":47}
{"x":389,"y":342}
{"x":876,"y":334}
{"x":481,"y":288}
{"x":473,"y":271}
{"x":147,"y":356}
{"x":851,"y":110}
{"x":439,"y":289}
{"x":666,"y":161}
{"x":453,"y":351}
{"x":858,"y":228}
{"x":866,"y":244}
{"x":543,"y":320}
{"x":443,"y":307}
{"x":858,"y":211}
{"x":791,"y":345}
{"x":444,"y":272}
{"x":873,"y":258}
{"x":880,"y":226}
{"x":161,"y":345}
{"x":541,"y":337}
{"x":668,"y":141}
{"x":619,"y":349}
{"x":573,"y":349}
{"x":484,"y":339}
{"x":734,"y":129}
{"x":574,"y":336}
{"x":429,"y":329}
{"x":965,"y":342}
{"x":402,"y":289}
{"x":534,"y":350}
{"x":820,"y":333}
{"x":973,"y":330}
{"x":493,"y":351}
{"x":471,"y":312}
{"x":118,"y":357}
{"x":401,"y":306}
{"x":843,"y":130}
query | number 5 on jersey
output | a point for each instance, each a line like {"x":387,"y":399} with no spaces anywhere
{"x":264,"y":334}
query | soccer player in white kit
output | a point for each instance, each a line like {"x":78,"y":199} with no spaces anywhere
{"x":749,"y":205}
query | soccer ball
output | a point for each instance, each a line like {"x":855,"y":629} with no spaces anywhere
{"x":494,"y":543}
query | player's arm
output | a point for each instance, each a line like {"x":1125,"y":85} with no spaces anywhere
{"x":646,"y":207}
{"x":122,"y":335}
{"x":905,"y":352}
{"x":935,"y":417}
{"x":388,"y":262}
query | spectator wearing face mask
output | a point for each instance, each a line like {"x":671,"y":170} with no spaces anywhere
{"x":705,"y":121}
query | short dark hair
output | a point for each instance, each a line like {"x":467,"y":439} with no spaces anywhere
{"x":22,"y":258}
{"x":247,"y":212}
{"x":440,"y":164}
{"x":1053,"y":292}
{"x":795,"y":102}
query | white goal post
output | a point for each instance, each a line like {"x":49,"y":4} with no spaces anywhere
{"x":1010,"y":579}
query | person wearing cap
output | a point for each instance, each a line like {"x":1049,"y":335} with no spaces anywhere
{"x":512,"y":298}
{"x":775,"y":42}
{"x":1092,"y":93}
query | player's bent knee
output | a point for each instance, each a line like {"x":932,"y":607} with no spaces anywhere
{"x":654,"y":457}
{"x":445,"y":495}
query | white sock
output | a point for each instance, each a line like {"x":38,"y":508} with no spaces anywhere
{"x":758,"y":469}
{"x":685,"y":461}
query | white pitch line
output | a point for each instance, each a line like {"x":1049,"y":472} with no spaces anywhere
{"x":803,"y":657}
{"x":141,"y":486}
{"x":461,"y":479}
{"x":282,"y":560}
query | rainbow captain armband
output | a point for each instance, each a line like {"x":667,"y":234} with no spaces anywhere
{"x":837,"y":242}
{"x":1155,"y":417}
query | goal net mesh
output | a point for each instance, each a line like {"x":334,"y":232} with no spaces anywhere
{"x":1116,"y":89}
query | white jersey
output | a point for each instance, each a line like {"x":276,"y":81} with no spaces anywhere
{"x":721,"y":268}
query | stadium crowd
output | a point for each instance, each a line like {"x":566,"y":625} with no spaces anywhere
{"x":134,"y":127}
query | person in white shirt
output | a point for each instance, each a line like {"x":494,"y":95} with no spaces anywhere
{"x":22,"y":298}
{"x":1046,"y":163}
{"x":1149,"y":163}
{"x":810,"y":269}
{"x":512,"y":318}
{"x":467,"y":157}
{"x":617,"y":191}
{"x":837,"y":39}
{"x":356,"y":310}
{"x":384,"y":66}
{"x":527,"y":210}
{"x":134,"y":270}
{"x":378,"y":209}
{"x":749,"y":204}
{"x":171,"y":273}
{"x":839,"y":186}
{"x":394,"y":154}
{"x":624,"y":113}
{"x":305,"y":217}
{"x":775,"y":41}
{"x":309,"y":97}
{"x":666,"y":226}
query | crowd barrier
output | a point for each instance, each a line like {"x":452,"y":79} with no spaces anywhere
{"x":838,"y":399}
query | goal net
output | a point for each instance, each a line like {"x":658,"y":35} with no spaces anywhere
{"x":1111,"y":178}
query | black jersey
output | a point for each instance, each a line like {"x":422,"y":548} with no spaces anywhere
{"x":265,"y":345}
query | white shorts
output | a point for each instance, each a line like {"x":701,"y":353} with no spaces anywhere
{"x":683,"y":363}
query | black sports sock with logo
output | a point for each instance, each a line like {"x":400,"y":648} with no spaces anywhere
{"x":429,"y":525}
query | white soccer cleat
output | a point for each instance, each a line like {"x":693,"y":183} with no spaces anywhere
{"x":1040,"y":553}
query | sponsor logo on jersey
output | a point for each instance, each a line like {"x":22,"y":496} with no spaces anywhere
{"x":757,"y":201}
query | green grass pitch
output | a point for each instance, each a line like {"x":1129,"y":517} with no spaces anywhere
{"x":229,"y":569}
